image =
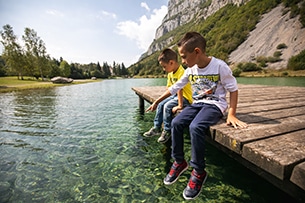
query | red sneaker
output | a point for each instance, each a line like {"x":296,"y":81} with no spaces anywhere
{"x":194,"y":186}
{"x":175,"y":172}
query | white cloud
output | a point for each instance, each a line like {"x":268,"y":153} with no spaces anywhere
{"x":54,"y":13}
{"x":143,"y":31}
{"x":102,"y":15}
{"x":144,"y":5}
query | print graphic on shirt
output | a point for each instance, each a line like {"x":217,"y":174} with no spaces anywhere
{"x":174,"y":80}
{"x":204,"y":86}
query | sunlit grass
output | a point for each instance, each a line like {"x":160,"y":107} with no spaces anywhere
{"x":12,"y":83}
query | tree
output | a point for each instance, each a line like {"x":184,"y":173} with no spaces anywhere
{"x":13,"y":53}
{"x":36,"y":53}
{"x":65,"y":68}
{"x":2,"y":67}
{"x":106,"y":70}
{"x":124,"y":71}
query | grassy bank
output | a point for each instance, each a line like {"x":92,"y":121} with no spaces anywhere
{"x":274,"y":73}
{"x":8,"y":84}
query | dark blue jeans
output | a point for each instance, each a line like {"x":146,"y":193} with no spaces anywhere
{"x":198,"y":117}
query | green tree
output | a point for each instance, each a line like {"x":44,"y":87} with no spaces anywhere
{"x":65,"y":69}
{"x":12,"y":53}
{"x":106,"y":70}
{"x":124,"y":71}
{"x":2,"y":67}
{"x":54,"y":68}
{"x":36,"y":54}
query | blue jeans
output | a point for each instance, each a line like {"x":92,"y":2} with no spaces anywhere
{"x":164,"y":112}
{"x":198,"y":117}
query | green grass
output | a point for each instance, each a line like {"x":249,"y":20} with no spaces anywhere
{"x":11,"y":83}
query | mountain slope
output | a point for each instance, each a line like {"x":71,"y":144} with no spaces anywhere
{"x":236,"y":30}
{"x":274,"y":29}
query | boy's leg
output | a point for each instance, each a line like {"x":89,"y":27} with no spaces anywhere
{"x":207,"y":116}
{"x":167,"y":119}
{"x":178,"y":124}
{"x":158,"y":120}
{"x":167,"y":111}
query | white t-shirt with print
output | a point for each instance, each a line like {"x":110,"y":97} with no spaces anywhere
{"x":209,"y":84}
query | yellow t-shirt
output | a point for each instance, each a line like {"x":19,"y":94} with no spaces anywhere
{"x":173,"y":77}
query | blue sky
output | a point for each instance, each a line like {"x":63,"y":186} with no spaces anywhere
{"x":85,"y":31}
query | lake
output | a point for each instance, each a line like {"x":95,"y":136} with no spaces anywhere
{"x":84,"y":143}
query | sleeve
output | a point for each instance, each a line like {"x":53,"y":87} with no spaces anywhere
{"x":169,"y":82}
{"x":179,"y":84}
{"x":227,"y":79}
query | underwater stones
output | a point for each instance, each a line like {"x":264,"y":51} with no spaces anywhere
{"x":5,"y":192}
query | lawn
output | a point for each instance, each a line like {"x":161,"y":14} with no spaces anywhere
{"x":12,"y":83}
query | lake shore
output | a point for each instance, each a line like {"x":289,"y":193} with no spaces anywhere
{"x":11,"y":83}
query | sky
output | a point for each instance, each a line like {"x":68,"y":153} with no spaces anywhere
{"x":87,"y":31}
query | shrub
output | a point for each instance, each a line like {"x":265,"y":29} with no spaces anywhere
{"x":277,"y":54}
{"x":248,"y":67}
{"x":285,"y":74}
{"x":297,"y":62}
{"x":281,"y":46}
{"x":236,"y":72}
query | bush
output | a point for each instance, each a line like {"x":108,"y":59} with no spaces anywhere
{"x":297,"y":62}
{"x":281,"y":46}
{"x":236,"y":72}
{"x":277,"y":54}
{"x":248,"y":67}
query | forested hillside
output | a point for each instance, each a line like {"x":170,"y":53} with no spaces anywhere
{"x":225,"y":31}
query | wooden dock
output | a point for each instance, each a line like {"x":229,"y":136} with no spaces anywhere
{"x":273,"y":145}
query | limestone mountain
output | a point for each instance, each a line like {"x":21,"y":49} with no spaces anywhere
{"x":236,"y":30}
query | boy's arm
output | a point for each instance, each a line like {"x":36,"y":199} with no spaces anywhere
{"x":161,"y":98}
{"x":180,"y":101}
{"x":232,"y":120}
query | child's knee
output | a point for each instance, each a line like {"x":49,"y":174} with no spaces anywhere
{"x":195,"y":127}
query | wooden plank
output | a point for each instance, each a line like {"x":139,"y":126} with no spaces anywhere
{"x":150,"y":94}
{"x":277,"y":155}
{"x":298,"y":175}
{"x":234,"y":139}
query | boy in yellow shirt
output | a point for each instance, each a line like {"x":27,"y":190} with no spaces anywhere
{"x":168,"y":59}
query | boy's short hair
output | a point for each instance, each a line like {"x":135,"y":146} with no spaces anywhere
{"x":191,"y":40}
{"x":167,"y":55}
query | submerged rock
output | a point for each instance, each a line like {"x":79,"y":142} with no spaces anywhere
{"x":60,"y":79}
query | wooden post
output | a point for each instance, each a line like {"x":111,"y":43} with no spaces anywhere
{"x":141,"y":105}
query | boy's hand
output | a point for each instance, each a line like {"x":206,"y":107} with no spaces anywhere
{"x":152,"y":107}
{"x":175,"y":109}
{"x":232,"y":120}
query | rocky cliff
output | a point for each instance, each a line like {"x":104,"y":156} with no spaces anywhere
{"x":181,"y":12}
{"x":273,"y":29}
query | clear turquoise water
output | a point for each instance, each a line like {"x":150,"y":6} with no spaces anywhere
{"x":84,"y":143}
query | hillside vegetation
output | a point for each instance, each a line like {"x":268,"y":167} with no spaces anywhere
{"x":224,"y":31}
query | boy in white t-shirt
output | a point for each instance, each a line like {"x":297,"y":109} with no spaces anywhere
{"x":210,"y":79}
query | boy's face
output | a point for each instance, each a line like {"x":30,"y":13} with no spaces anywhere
{"x":187,"y":58}
{"x":168,"y":67}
